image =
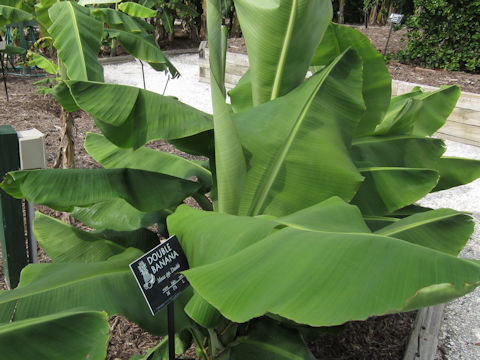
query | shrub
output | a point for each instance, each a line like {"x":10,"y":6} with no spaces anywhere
{"x":444,"y":34}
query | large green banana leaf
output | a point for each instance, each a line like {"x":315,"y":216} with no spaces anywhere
{"x":134,"y":9}
{"x":444,"y":230}
{"x":97,"y":2}
{"x":230,"y":162}
{"x":267,"y":340}
{"x":386,"y":189}
{"x":77,"y":38}
{"x":18,"y":4}
{"x":75,"y":335}
{"x":61,"y":92}
{"x":66,"y":243}
{"x":118,"y":20}
{"x":397,"y":151}
{"x":377,"y":83}
{"x":41,"y":14}
{"x":456,"y":171}
{"x":118,"y":215}
{"x":108,"y":285}
{"x":241,"y":95}
{"x":319,"y":277}
{"x":318,"y":118}
{"x":140,"y":117}
{"x":143,"y":239}
{"x":9,"y":14}
{"x":398,"y":170}
{"x":111,"y":156}
{"x":421,"y":114}
{"x":62,"y":189}
{"x":397,"y":104}
{"x":43,"y":63}
{"x":202,"y":312}
{"x":183,"y":341}
{"x":281,"y":42}
{"x":144,"y":47}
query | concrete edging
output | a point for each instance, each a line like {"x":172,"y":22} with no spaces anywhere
{"x":128,"y":58}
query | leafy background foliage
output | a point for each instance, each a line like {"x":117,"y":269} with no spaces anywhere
{"x":444,"y":34}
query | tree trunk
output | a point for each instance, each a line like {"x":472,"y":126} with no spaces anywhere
{"x":159,"y":30}
{"x":66,"y":152}
{"x":203,"y":25}
{"x":113,"y":49}
{"x":236,"y":30}
{"x":373,"y":15}
{"x":341,"y":7}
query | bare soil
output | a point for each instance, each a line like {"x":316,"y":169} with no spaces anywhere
{"x":377,"y":338}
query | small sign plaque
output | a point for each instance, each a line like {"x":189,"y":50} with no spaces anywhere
{"x":395,"y":18}
{"x":158,"y":273}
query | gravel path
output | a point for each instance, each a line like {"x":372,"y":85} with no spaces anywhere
{"x":460,"y":331}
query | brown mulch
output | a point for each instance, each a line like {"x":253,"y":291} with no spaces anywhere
{"x":377,"y":338}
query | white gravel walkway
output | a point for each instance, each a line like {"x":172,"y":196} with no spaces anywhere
{"x":460,"y":331}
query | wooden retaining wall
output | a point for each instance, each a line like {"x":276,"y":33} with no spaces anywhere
{"x":463,"y":125}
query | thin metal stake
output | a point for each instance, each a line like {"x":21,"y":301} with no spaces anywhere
{"x":4,"y":78}
{"x":143,"y":74}
{"x":32,"y":242}
{"x":171,"y":330}
{"x":166,"y":84}
{"x":388,"y":39}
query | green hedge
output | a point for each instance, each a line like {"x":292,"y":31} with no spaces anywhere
{"x":444,"y":34}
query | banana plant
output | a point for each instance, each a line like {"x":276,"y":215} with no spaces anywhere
{"x":76,"y":32}
{"x":12,"y":12}
{"x":168,"y":12}
{"x":308,"y":196}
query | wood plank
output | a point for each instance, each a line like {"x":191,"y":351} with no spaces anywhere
{"x":424,"y":338}
{"x":464,"y":133}
{"x":12,"y":233}
{"x":465,"y":116}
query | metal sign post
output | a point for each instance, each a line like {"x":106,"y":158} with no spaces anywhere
{"x":392,"y":19}
{"x":158,"y":274}
{"x":2,"y":47}
{"x":171,"y":330}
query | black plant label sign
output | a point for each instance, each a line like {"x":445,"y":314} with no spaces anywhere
{"x":158,"y":273}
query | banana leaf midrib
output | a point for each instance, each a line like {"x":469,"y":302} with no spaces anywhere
{"x":276,"y":165}
{"x":393,"y":168}
{"x":283,"y":54}
{"x":372,"y":217}
{"x":26,"y":323}
{"x":273,"y":349}
{"x":77,"y":38}
{"x":417,"y":224}
{"x":64,"y":284}
{"x":375,"y":139}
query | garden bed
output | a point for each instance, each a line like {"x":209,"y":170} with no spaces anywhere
{"x":377,"y":338}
